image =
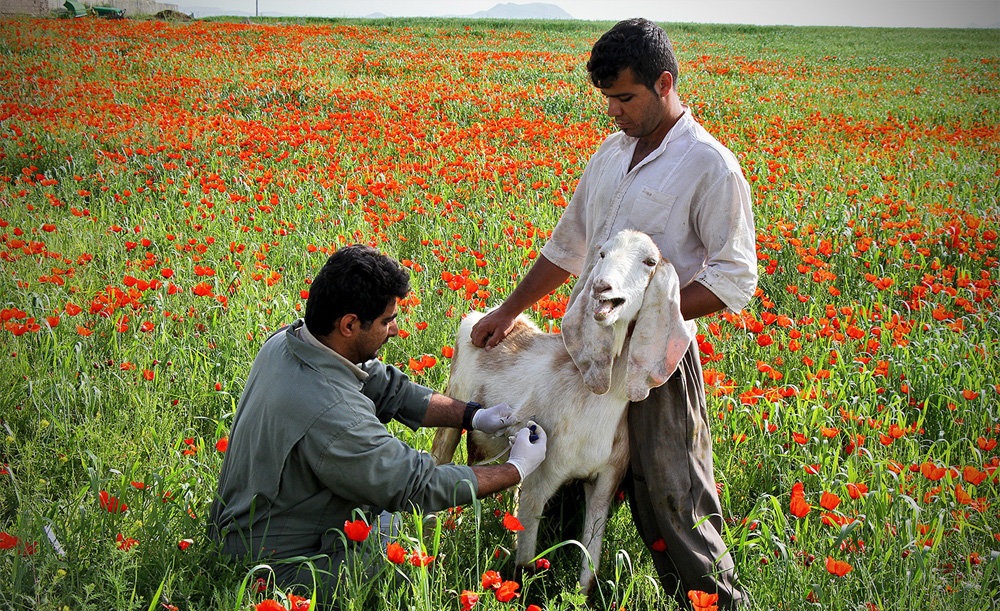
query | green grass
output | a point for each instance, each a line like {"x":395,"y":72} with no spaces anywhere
{"x":141,"y":160}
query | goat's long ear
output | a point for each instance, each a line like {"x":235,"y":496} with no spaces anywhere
{"x":661,"y":335}
{"x":589,"y":345}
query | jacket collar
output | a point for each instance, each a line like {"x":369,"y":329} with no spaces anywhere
{"x":309,"y":349}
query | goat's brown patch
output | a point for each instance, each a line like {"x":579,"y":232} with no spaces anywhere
{"x":520,"y":341}
{"x":521,"y":337}
{"x":562,"y":360}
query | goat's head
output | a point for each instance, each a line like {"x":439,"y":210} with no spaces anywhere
{"x":627,"y":283}
{"x":617,"y":281}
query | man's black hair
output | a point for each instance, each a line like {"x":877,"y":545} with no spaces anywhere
{"x":638,"y":44}
{"x":357,"y":280}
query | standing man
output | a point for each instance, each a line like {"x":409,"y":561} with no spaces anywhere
{"x":309,"y":447}
{"x":663,"y":174}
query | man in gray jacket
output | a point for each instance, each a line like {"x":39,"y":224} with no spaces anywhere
{"x":309,"y":446}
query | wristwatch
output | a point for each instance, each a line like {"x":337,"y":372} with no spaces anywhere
{"x":470,"y":410}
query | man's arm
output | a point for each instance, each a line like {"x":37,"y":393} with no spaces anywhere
{"x":442,"y":410}
{"x":543,"y":278}
{"x":697,"y":301}
{"x":526,"y":453}
{"x":494,"y":478}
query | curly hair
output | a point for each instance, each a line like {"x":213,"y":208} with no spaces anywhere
{"x":638,"y":44}
{"x":358,"y":280}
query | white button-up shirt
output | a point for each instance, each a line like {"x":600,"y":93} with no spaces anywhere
{"x":689,"y":195}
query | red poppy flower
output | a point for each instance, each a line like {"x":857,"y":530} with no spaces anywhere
{"x":857,"y":490}
{"x":829,"y":501}
{"x":419,"y":558}
{"x":507,"y":591}
{"x":542,"y":564}
{"x":269,"y":605}
{"x":963,"y":497}
{"x":799,"y":507}
{"x":125,"y":543}
{"x":222,"y":444}
{"x":202,"y":289}
{"x":973,"y":475}
{"x":838,"y":567}
{"x":7,"y":540}
{"x":468,"y":599}
{"x":703,"y":601}
{"x":931,"y":471}
{"x":111,"y":503}
{"x":491,"y":580}
{"x":512,"y":523}
{"x":183,"y":544}
{"x":357,"y":530}
{"x":395,"y":553}
{"x":298,"y":603}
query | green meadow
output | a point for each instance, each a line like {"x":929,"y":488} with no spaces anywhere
{"x":168,"y":190}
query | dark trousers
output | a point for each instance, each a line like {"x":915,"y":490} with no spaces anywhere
{"x":671,"y":487}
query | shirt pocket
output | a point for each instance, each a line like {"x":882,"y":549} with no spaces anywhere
{"x":651,"y":211}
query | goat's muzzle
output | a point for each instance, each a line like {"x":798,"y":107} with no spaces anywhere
{"x":605,"y":304}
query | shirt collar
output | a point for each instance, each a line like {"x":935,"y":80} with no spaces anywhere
{"x":682,"y":125}
{"x":306,"y":336}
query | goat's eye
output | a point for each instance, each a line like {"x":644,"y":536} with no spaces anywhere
{"x":601,"y":254}
{"x":650,"y":262}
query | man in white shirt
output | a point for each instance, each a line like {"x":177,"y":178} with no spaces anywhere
{"x":662,"y":174}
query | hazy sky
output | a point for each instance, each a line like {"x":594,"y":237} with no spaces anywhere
{"x":892,"y":13}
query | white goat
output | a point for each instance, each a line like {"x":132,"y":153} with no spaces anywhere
{"x":575,"y":385}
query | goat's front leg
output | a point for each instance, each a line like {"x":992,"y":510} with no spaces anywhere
{"x":536,"y":490}
{"x":599,"y":494}
{"x":445,"y":442}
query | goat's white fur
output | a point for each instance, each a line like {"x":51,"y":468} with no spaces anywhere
{"x":575,"y":385}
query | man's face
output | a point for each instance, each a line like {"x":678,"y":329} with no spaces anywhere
{"x":636,"y":109}
{"x":369,"y":341}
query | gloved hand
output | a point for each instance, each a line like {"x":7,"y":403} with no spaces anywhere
{"x":492,"y":419}
{"x":528,"y":450}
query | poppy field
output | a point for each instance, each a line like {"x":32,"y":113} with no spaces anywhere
{"x":168,"y":190}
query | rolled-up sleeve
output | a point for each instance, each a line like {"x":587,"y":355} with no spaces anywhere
{"x":726,"y":228}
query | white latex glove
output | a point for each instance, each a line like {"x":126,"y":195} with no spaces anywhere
{"x":528,"y":450}
{"x":492,"y":420}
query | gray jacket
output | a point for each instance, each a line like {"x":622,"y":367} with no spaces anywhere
{"x":308,"y":445}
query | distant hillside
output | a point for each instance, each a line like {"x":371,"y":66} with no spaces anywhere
{"x":507,"y":10}
{"x":531,"y":10}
